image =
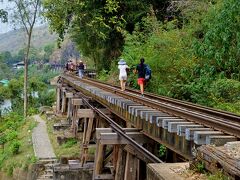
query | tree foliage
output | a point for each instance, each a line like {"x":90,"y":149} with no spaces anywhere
{"x":98,"y":27}
{"x":220,"y":45}
{"x":3,"y":15}
{"x":197,"y":61}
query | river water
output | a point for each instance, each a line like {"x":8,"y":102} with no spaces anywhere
{"x":6,"y":106}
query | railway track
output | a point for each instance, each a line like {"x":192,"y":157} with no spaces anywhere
{"x":149,"y":156}
{"x":226,"y":122}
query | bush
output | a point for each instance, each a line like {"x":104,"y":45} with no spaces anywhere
{"x":225,"y":90}
{"x":15,"y":146}
{"x":69,"y":143}
{"x":11,"y":135}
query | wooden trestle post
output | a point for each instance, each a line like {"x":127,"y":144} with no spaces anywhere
{"x":131,"y":167}
{"x":58,"y":103}
{"x":120,"y":167}
{"x":64,"y":100}
{"x":88,"y":116}
{"x":69,"y":96}
{"x":125,"y":162}
{"x":76,"y":103}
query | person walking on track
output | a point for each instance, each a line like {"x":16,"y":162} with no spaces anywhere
{"x":123,"y":67}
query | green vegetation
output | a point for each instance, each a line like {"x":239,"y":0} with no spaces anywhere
{"x":191,"y":46}
{"x":69,"y":149}
{"x":69,"y":143}
{"x":15,"y":142}
{"x":162,"y":151}
{"x":15,"y":133}
{"x":218,"y":176}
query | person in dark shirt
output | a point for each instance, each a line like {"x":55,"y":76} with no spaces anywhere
{"x":81,"y":69}
{"x":140,"y":70}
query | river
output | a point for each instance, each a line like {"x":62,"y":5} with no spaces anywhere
{"x":6,"y":106}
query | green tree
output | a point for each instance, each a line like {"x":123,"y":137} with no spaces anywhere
{"x":25,"y":14}
{"x":219,"y":46}
{"x":98,"y":27}
{"x":3,"y":15}
{"x":48,"y":50}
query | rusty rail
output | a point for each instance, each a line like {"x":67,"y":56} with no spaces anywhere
{"x":208,"y":117}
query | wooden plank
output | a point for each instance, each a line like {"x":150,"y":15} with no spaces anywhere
{"x":114,"y":138}
{"x":58,"y":104}
{"x":98,"y":162}
{"x":63,"y":103}
{"x":77,"y":102}
{"x":134,"y":152}
{"x":105,"y":111}
{"x":69,"y":95}
{"x":120,"y":164}
{"x":104,"y":176}
{"x":84,"y":130}
{"x":110,"y":130}
{"x":89,"y":130}
{"x":131,"y":167}
{"x":115,"y":155}
{"x":216,"y":158}
{"x":85,"y":113}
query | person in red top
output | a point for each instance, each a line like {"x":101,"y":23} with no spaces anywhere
{"x":140,"y":69}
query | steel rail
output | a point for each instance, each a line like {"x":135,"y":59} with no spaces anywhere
{"x":214,"y":112}
{"x":220,"y":124}
{"x":118,"y":129}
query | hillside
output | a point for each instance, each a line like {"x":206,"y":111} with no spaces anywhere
{"x":13,"y":41}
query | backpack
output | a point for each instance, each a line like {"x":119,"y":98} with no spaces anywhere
{"x":148,"y":72}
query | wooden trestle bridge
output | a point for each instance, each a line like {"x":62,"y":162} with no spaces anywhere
{"x":128,"y":128}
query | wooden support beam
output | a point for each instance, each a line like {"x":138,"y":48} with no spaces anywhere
{"x":119,"y":175}
{"x":98,"y":162}
{"x":114,"y":138}
{"x":69,"y":95}
{"x":115,"y":155}
{"x":131,"y":167}
{"x":77,"y":102}
{"x":134,"y":152}
{"x":63,"y":101}
{"x":58,"y":104}
{"x":103,"y":176}
{"x":108,"y":157}
{"x":110,"y":130}
{"x":105,"y":111}
{"x":84,"y":130}
{"x":85,"y":113}
{"x":69,"y":109}
{"x":89,"y":130}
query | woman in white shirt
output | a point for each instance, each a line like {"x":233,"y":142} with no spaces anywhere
{"x":122,"y":66}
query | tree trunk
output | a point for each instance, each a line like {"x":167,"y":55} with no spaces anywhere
{"x":26,"y":74}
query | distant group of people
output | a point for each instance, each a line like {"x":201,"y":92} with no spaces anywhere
{"x":142,"y":69}
{"x":79,"y":67}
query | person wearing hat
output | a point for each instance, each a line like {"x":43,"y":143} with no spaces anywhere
{"x":122,"y":66}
